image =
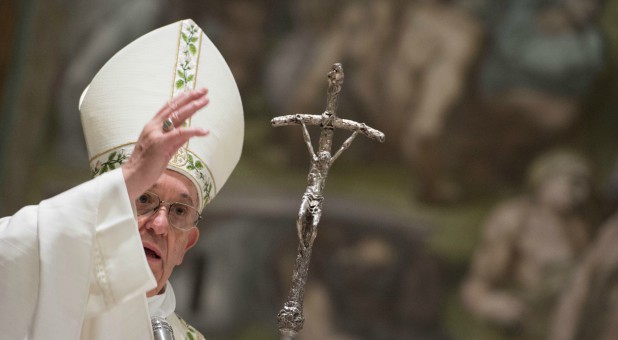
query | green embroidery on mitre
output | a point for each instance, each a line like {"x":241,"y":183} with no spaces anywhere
{"x":108,"y":161}
{"x":187,"y":162}
{"x":188,"y":57}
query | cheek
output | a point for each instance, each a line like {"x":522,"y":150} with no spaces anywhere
{"x":580,"y":193}
{"x":563,"y":195}
{"x":558,"y":190}
{"x":177,"y":249}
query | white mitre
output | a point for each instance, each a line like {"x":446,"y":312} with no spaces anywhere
{"x":134,"y":84}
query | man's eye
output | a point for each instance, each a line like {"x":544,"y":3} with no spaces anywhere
{"x":179,"y":210}
{"x":143,"y":199}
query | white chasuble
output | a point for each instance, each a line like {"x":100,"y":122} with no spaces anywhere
{"x":72,"y":261}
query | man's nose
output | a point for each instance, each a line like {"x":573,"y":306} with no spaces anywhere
{"x":159,"y":222}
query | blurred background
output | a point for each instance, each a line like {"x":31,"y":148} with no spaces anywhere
{"x":486,"y":214}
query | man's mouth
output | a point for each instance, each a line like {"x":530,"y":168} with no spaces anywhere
{"x":151,"y":253}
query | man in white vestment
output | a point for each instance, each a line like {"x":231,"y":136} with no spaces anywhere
{"x":94,"y":262}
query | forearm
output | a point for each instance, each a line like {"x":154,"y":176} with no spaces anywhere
{"x":491,"y":303}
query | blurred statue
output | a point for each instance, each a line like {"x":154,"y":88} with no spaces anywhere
{"x":611,"y":188}
{"x":588,"y":308}
{"x":529,"y":246}
{"x":437,"y":45}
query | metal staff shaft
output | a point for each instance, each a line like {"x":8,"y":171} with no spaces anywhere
{"x":290,"y":318}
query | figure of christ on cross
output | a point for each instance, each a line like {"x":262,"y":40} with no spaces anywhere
{"x":291,"y":317}
{"x":311,"y":205}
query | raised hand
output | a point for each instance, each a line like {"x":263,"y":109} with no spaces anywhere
{"x":160,"y":139}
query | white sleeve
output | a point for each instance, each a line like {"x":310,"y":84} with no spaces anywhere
{"x":120,"y":270}
{"x":76,"y":253}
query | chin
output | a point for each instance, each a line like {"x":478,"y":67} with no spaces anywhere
{"x":158,"y":276}
{"x":153,"y":292}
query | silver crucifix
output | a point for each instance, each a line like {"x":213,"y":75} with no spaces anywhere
{"x":291,"y":317}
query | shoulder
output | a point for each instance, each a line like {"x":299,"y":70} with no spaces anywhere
{"x":182,"y":329}
{"x":506,"y":219}
{"x":607,"y":237}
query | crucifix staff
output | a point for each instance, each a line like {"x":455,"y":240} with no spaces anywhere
{"x":290,"y":318}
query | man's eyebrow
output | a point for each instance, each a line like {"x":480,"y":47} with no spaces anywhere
{"x":182,"y":195}
{"x":187,"y":196}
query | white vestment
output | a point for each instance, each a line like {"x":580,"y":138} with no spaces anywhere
{"x":74,"y":267}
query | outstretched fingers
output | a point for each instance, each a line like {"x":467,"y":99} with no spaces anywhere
{"x":188,"y":110}
{"x":179,"y":103}
{"x":178,"y":137}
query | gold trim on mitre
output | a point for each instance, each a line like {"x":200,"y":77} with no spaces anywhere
{"x":201,"y":175}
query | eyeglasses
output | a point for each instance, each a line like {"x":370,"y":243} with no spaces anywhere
{"x":179,"y":215}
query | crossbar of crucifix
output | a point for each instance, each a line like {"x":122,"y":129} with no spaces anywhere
{"x":290,"y":318}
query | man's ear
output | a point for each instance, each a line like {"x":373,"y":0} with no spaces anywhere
{"x":194,"y":235}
